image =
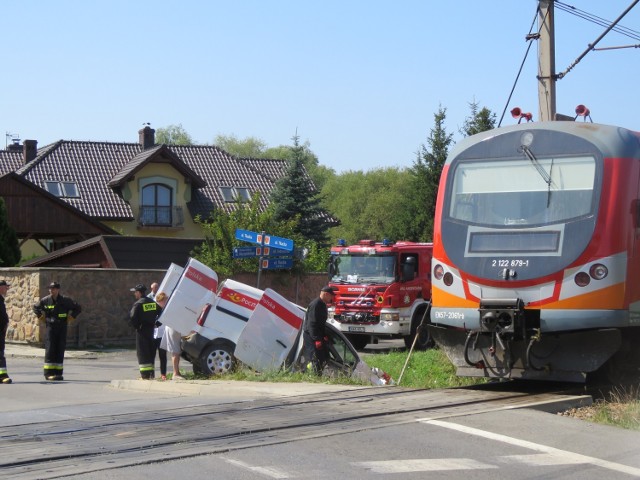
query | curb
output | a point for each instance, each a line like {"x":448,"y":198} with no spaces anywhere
{"x":208,"y":388}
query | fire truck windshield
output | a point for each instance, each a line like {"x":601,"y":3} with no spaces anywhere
{"x":364,"y":269}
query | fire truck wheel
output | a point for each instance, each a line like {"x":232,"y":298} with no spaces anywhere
{"x":217,"y":357}
{"x":358,"y":341}
{"x":424,"y":340}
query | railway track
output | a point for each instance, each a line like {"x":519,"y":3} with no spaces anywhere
{"x":58,"y":448}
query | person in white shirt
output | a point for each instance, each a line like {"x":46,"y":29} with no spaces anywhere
{"x":171,"y":340}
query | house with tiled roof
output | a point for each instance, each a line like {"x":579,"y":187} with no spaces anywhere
{"x":134,"y":189}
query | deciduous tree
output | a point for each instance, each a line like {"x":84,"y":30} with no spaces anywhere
{"x":372,"y":205}
{"x":173,"y":135}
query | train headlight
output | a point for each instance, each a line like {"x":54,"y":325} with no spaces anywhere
{"x":598,"y":271}
{"x":582,"y":279}
{"x":438,"y":272}
{"x":448,"y":279}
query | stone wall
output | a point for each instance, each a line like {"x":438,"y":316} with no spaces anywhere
{"x":106,"y":300}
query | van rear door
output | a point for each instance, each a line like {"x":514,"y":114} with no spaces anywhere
{"x":194,"y":291}
{"x":270,"y":333}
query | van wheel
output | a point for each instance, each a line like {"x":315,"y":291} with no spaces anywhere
{"x":217,"y":358}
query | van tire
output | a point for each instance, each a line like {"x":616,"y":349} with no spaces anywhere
{"x":217,"y":358}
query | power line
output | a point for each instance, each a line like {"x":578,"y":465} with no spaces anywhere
{"x":592,"y":45}
{"x":597,"y":20}
{"x":529,"y":38}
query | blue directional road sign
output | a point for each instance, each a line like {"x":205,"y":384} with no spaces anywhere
{"x":276,"y":263}
{"x":275,"y":252}
{"x":248,"y":236}
{"x":285,"y":244}
{"x":278,"y":242}
{"x":246,"y":252}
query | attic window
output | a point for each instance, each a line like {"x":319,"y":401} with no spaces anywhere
{"x":62,"y":189}
{"x":235,"y":194}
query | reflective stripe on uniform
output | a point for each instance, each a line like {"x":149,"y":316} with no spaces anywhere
{"x":146,"y":367}
{"x":53,"y":366}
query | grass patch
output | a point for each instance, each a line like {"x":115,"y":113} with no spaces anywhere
{"x":245,"y":374}
{"x":619,"y":408}
{"x":428,"y":369}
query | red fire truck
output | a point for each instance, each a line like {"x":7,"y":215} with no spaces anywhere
{"x":383,"y":290}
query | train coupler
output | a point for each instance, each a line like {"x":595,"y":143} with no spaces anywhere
{"x":502,"y":316}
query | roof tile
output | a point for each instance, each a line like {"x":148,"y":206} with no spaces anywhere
{"x":98,"y":167}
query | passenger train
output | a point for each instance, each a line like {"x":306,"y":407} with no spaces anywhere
{"x":536,"y":260}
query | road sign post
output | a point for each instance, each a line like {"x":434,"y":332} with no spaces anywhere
{"x":273,"y":252}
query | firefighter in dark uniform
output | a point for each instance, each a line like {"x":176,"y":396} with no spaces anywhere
{"x":313,"y":334}
{"x":57,"y":311}
{"x":143,"y":318}
{"x":4,"y":323}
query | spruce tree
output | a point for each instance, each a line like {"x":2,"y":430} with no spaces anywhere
{"x":295,"y":197}
{"x":9,"y":245}
{"x":425,"y":177}
{"x":480,"y":120}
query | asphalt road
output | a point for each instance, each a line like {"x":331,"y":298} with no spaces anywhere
{"x":101,"y":390}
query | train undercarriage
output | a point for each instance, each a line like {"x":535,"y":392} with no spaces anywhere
{"x":509,"y":345}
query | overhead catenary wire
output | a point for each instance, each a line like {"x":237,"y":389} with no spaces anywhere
{"x":529,"y":39}
{"x":612,"y":26}
{"x":597,"y":20}
{"x":592,"y":45}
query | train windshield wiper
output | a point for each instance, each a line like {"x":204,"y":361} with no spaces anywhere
{"x":543,"y":173}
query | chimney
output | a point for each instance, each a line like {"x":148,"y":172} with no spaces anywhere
{"x":14,"y":146}
{"x":29,"y":150}
{"x":147,"y":137}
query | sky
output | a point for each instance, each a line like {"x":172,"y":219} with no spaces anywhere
{"x":360,"y":81}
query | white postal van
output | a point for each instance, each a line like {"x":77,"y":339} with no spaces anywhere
{"x":211,"y":316}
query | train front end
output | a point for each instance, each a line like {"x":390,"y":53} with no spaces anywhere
{"x":535,"y":246}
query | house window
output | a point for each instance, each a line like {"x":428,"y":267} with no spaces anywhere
{"x":235,"y":194}
{"x":62,"y":189}
{"x":155,"y":208}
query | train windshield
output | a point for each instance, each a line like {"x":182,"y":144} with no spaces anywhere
{"x":523,"y":192}
{"x":364,"y":269}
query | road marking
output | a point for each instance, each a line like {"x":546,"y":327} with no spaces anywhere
{"x":423,"y":465}
{"x":543,"y":459}
{"x":552,"y":453}
{"x":270,"y":472}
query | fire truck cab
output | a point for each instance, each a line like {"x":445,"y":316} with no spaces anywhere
{"x":382,"y":290}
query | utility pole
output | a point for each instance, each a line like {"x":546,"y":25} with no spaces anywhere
{"x":546,"y":62}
